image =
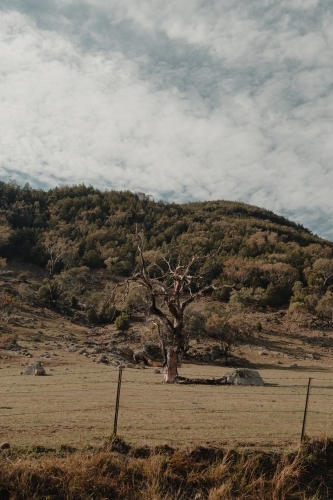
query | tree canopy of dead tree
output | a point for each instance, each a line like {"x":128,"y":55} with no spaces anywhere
{"x":171,"y":286}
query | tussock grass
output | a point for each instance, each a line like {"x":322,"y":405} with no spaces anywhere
{"x":121,"y":472}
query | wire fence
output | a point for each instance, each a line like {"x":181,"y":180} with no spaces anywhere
{"x":83,"y":409}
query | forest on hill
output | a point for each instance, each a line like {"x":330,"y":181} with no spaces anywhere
{"x":83,"y":238}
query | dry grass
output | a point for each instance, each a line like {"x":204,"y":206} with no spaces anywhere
{"x":121,"y":472}
{"x":75,"y":405}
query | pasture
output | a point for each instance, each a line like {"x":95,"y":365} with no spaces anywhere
{"x":74,"y":405}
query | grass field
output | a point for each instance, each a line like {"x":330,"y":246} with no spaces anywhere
{"x":75,"y":406}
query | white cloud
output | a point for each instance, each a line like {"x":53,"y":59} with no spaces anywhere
{"x":192,"y":100}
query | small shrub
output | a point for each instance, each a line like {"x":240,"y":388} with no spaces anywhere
{"x":50,"y":292}
{"x":74,"y":302}
{"x":92,"y":315}
{"x":108,"y":314}
{"x":258,"y":326}
{"x":122,"y":323}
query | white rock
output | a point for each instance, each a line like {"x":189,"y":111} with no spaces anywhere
{"x":244,"y":376}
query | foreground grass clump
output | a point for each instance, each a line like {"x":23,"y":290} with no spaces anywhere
{"x":119,"y":471}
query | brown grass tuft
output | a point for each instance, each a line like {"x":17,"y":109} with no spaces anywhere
{"x":180,"y":474}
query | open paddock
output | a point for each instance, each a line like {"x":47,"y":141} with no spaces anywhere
{"x":75,"y":406}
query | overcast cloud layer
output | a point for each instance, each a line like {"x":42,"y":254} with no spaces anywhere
{"x":184,"y":100}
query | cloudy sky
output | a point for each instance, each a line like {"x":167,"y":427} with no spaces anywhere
{"x":185,"y":99}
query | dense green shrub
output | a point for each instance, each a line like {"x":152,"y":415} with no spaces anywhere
{"x":122,"y":322}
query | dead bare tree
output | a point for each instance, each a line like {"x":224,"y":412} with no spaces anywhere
{"x":170,"y":289}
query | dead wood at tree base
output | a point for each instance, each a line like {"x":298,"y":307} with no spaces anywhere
{"x":201,"y":381}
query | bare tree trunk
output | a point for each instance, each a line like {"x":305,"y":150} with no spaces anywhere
{"x":170,"y":370}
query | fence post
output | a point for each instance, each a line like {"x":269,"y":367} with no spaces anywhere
{"x":115,"y":423}
{"x":306,"y":410}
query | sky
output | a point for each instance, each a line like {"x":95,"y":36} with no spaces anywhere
{"x":185,"y":100}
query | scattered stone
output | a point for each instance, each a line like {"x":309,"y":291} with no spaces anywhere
{"x":103,"y":359}
{"x":157,"y":371}
{"x":12,"y":346}
{"x":244,"y":376}
{"x":129,"y":365}
{"x":115,"y":363}
{"x":96,"y":350}
{"x":138,"y":356}
{"x":140,"y":366}
{"x":263,"y":353}
{"x":278,"y":363}
{"x":126,"y":351}
{"x":35,"y":367}
{"x":293,"y":365}
{"x":277,"y":353}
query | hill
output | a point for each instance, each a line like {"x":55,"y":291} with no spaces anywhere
{"x":64,"y":250}
{"x":72,"y":230}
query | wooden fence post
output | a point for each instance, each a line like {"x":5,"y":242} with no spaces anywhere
{"x":115,"y":423}
{"x":306,"y":410}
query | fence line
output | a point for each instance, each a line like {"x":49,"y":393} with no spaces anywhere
{"x":239,"y":395}
{"x":148,"y":370}
{"x":198,"y":422}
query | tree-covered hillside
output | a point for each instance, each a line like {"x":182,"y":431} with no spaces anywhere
{"x":69,"y":230}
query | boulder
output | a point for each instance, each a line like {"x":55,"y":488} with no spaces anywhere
{"x":244,"y":376}
{"x":34,"y":369}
